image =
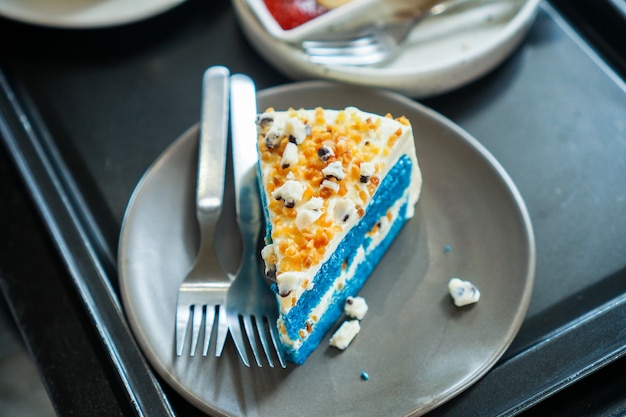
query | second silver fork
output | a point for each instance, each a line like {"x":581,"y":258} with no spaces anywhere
{"x":251,"y":304}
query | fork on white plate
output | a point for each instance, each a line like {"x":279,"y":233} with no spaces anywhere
{"x":377,"y":44}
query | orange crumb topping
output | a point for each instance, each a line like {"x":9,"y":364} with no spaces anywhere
{"x":347,"y":140}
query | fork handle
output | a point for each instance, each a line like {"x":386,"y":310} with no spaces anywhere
{"x":402,"y":9}
{"x":212,"y":140}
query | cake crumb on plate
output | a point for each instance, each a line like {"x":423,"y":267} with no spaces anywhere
{"x":356,"y":307}
{"x":463,"y":292}
{"x":345,"y":333}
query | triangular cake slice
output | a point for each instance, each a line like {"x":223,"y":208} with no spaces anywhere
{"x":336,"y":186}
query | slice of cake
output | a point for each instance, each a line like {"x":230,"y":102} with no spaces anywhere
{"x":337,"y":186}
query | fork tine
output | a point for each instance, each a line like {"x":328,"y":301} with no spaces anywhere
{"x":274,"y":337}
{"x":235,"y":331}
{"x":370,"y":51}
{"x":260,"y":326}
{"x":222,"y":329}
{"x":208,"y":328}
{"x":249,"y":329}
{"x":196,"y":322}
{"x":182,"y":322}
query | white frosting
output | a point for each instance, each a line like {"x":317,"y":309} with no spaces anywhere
{"x":289,"y":281}
{"x":384,"y":223}
{"x":345,"y":333}
{"x":356,"y":307}
{"x":463,"y":292}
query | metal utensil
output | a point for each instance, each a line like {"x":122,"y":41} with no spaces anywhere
{"x":251,"y":303}
{"x":202,"y":295}
{"x":377,"y":44}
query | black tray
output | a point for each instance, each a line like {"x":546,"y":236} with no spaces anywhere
{"x":83,"y":114}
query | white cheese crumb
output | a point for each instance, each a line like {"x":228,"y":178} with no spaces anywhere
{"x":355,"y":307}
{"x":367,"y":169}
{"x":334,"y":169}
{"x":272,"y":137}
{"x":463,"y":292}
{"x":288,"y":281}
{"x":262,"y":120}
{"x":309,"y":213}
{"x":291,"y":191}
{"x":344,"y":211}
{"x":325,"y":152}
{"x":330,"y":185}
{"x":296,"y":129}
{"x":267,"y":252}
{"x":290,"y":155}
{"x":345,"y":333}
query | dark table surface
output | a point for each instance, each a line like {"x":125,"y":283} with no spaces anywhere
{"x":83,"y":113}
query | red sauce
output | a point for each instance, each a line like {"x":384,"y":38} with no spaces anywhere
{"x":292,"y":13}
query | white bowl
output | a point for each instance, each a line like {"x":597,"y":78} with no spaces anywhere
{"x":443,"y":54}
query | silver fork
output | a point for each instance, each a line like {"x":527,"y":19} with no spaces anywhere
{"x":250,"y":301}
{"x":202,"y":295}
{"x":379,"y":43}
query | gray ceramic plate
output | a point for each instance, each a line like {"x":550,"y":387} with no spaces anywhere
{"x":418,"y":349}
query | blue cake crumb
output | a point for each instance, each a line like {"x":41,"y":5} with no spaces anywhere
{"x":364,"y":376}
{"x":446,"y":249}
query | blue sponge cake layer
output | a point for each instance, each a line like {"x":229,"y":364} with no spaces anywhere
{"x":391,"y":192}
{"x":336,"y":186}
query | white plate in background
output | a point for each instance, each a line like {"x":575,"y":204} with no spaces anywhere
{"x":444,"y":53}
{"x":83,"y":14}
